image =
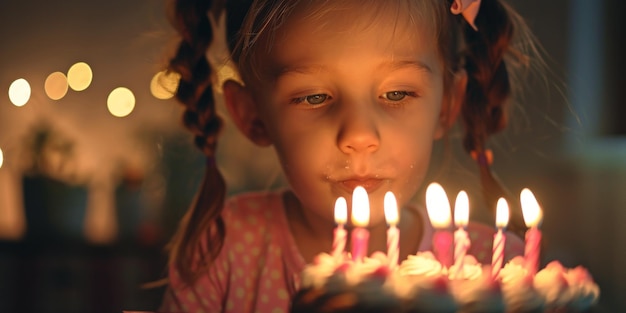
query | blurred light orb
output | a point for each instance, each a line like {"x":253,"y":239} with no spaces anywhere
{"x":1,"y":158}
{"x":121,"y":102}
{"x":56,"y":86}
{"x":79,"y":76}
{"x":163,"y":84}
{"x":19,"y":92}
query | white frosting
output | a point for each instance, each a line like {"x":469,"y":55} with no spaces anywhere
{"x":471,"y":270}
{"x":583,"y":290}
{"x":474,"y":289}
{"x":357,"y":271}
{"x":415,"y":270}
{"x":551,"y":284}
{"x":316,"y":274}
{"x":517,"y":288}
{"x":425,"y":285}
{"x":423,"y":264}
{"x":423,"y":281}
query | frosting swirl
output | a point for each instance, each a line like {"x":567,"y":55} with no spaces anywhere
{"x":473,"y":288}
{"x":471,"y":269}
{"x":315,"y":274}
{"x":551,"y":284}
{"x":517,"y":287}
{"x":355,"y":272}
{"x":421,"y":264}
{"x":584,"y":291}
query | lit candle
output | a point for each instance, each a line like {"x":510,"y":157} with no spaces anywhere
{"x":499,"y":239}
{"x":533,"y":217}
{"x":438,"y":208}
{"x":393,"y":233}
{"x":340,"y":233}
{"x":360,"y":219}
{"x":461,"y":239}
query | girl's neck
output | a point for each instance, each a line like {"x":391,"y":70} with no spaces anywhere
{"x":314,"y":234}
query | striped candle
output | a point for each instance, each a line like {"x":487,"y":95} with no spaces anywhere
{"x":393,"y":233}
{"x":461,"y":238}
{"x":340,"y":233}
{"x":499,"y":239}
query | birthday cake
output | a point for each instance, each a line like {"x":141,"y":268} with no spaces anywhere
{"x":421,"y":284}
{"x":428,"y":282}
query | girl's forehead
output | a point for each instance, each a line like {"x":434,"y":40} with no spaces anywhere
{"x":353,"y":16}
{"x":347,"y":26}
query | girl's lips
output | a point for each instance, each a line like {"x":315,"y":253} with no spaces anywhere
{"x":370,"y":184}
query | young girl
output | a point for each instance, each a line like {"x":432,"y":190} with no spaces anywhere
{"x":348,"y":93}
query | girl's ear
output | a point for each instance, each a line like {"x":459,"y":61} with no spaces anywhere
{"x":244,"y":113}
{"x":452,"y":104}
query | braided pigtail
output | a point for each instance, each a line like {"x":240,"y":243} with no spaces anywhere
{"x":487,"y":94}
{"x":187,"y":254}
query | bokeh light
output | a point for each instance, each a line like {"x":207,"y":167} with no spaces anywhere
{"x":19,"y":92}
{"x":163,"y":84}
{"x":56,"y":86}
{"x":1,"y":158}
{"x":79,"y":76}
{"x":121,"y":102}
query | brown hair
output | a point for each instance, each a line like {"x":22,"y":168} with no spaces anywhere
{"x":490,"y":55}
{"x":194,"y":91}
{"x":487,"y":55}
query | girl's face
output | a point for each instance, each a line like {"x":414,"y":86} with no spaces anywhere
{"x":347,"y":98}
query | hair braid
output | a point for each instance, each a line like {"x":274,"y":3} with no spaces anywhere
{"x":488,"y":86}
{"x":488,"y":91}
{"x":187,"y":254}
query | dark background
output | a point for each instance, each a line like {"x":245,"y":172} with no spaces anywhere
{"x":138,"y":173}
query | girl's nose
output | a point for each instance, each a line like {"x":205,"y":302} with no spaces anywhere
{"x":359,"y":132}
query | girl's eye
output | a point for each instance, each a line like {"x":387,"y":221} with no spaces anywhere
{"x":395,"y":95}
{"x":316,"y":99}
{"x":312,"y":99}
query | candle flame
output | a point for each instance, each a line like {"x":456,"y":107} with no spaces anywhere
{"x":438,"y":206}
{"x":360,"y":207}
{"x":531,"y":210}
{"x":341,"y":211}
{"x":391,"y":208}
{"x":461,"y":209}
{"x":502,"y":213}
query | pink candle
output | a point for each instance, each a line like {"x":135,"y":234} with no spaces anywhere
{"x":499,"y":239}
{"x":340,"y":233}
{"x":438,"y":208}
{"x":461,"y":238}
{"x":393,"y":233}
{"x":531,"y":251}
{"x":533,"y":217}
{"x":442,"y":245}
{"x":360,"y":219}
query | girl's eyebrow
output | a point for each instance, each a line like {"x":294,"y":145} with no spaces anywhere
{"x":307,"y":69}
{"x":387,"y":66}
{"x":396,"y":65}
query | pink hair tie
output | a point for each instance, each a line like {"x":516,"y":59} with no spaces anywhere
{"x":467,"y":8}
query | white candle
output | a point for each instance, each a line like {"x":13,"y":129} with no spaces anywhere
{"x":533,"y":216}
{"x":438,"y":208}
{"x":499,"y":239}
{"x":393,"y":233}
{"x":340,"y":233}
{"x":461,"y":238}
{"x":360,"y":220}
